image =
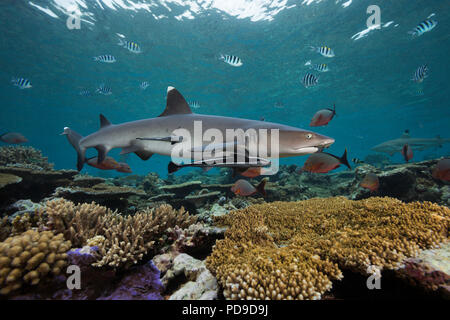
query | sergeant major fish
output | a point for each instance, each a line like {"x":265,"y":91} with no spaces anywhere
{"x":130,"y":45}
{"x":424,"y":26}
{"x":22,"y":83}
{"x":420,"y":74}
{"x":105,"y":58}
{"x":324,"y":51}
{"x":310,"y":80}
{"x":233,"y":61}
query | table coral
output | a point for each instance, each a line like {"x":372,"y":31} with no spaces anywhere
{"x":293,"y":250}
{"x":29,"y":257}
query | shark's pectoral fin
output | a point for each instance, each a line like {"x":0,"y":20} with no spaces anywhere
{"x":144,"y":155}
{"x":102,"y":152}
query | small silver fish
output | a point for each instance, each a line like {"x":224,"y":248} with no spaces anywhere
{"x":424,"y":26}
{"x":22,"y":83}
{"x":105,"y":58}
{"x":231,"y":60}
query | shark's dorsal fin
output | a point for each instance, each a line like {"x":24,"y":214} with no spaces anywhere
{"x":104,"y":122}
{"x":176,"y":104}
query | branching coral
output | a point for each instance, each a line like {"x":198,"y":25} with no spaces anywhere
{"x":292,"y":250}
{"x":122,"y":240}
{"x":29,"y":257}
{"x":24,"y":156}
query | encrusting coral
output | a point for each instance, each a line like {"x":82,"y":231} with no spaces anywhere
{"x":293,"y":250}
{"x":122,"y":240}
{"x":29,"y":257}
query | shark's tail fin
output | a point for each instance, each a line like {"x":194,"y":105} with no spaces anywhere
{"x":173,"y":167}
{"x":74,"y":139}
{"x":260,"y":187}
{"x":344,"y":160}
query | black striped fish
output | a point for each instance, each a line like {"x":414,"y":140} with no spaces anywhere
{"x":130,"y":45}
{"x":325,"y":51}
{"x":423,"y":27}
{"x":194,"y":104}
{"x":310,"y":80}
{"x":22,"y":83}
{"x":85,"y":93}
{"x":103,"y":89}
{"x":105,"y":58}
{"x":318,"y":67}
{"x":231,"y":60}
{"x":144,"y":85}
{"x":420,"y":74}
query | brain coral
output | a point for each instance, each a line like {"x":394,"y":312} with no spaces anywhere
{"x":293,"y":250}
{"x":29,"y":257}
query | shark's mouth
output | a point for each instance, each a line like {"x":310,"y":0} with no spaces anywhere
{"x":308,"y":150}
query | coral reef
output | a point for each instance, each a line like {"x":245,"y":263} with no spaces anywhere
{"x":26,"y":157}
{"x":293,"y":250}
{"x":140,"y":283}
{"x":35,"y":184}
{"x":29,"y":257}
{"x":122,"y":240}
{"x":429,"y":270}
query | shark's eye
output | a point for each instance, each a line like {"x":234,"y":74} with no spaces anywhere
{"x":309,"y":136}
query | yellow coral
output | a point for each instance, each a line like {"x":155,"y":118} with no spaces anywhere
{"x":128,"y":239}
{"x":122,"y":240}
{"x":29,"y":257}
{"x":292,"y":250}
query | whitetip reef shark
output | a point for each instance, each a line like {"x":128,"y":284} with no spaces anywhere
{"x":155,"y":135}
{"x":392,"y":146}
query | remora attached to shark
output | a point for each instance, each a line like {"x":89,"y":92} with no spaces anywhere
{"x":396,"y":145}
{"x":155,"y":135}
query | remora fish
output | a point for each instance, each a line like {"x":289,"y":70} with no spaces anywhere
{"x":155,"y":135}
{"x":392,"y":146}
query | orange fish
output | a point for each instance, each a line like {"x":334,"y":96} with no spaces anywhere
{"x":13,"y":138}
{"x":442,"y":170}
{"x":108,"y":164}
{"x":245,"y":188}
{"x":124,"y":168}
{"x":248,"y":172}
{"x":323,"y":162}
{"x":407,"y":152}
{"x":370,"y":182}
{"x":323,"y":117}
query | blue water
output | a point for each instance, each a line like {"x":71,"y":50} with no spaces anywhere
{"x":368,"y":78}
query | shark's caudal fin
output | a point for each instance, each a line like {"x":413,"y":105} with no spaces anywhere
{"x":176,"y":104}
{"x":173,"y":167}
{"x":344,"y":160}
{"x":260,"y":187}
{"x":74,"y":139}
